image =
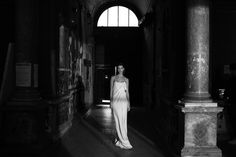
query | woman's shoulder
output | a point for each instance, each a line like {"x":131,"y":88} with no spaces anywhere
{"x":126,"y":79}
{"x":113,"y":77}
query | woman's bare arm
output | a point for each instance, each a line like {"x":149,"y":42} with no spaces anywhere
{"x":127,"y":92}
{"x":111,"y":88}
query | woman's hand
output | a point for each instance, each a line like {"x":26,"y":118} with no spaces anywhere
{"x":111,"y":105}
{"x":128,"y":106}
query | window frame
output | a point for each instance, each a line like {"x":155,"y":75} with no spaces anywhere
{"x":106,"y":22}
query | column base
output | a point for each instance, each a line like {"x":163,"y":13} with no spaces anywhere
{"x":200,"y":104}
{"x":201,"y":152}
{"x":197,"y":97}
{"x":26,"y":94}
{"x":23,"y":123}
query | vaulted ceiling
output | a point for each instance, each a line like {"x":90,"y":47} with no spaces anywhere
{"x":140,"y":6}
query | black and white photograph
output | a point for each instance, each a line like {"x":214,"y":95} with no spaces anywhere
{"x":118,"y":78}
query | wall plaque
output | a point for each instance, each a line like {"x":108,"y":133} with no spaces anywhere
{"x":23,"y":74}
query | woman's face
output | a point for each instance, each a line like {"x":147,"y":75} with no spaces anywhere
{"x":120,"y":69}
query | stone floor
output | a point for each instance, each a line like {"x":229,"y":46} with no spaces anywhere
{"x":140,"y":123}
{"x":89,"y":138}
{"x":92,"y":135}
{"x":101,"y":119}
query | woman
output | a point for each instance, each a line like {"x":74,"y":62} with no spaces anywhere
{"x":119,"y":95}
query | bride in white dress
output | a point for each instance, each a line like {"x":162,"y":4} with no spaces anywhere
{"x":119,"y":94}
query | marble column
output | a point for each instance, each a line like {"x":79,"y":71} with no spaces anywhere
{"x":200,"y":128}
{"x":26,"y":51}
{"x":197,"y":80}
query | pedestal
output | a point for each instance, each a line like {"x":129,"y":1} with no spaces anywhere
{"x":23,"y":129}
{"x":200,"y":132}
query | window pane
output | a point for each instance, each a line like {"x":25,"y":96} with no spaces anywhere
{"x":102,"y":21}
{"x":123,"y":16}
{"x":133,"y":21}
{"x":112,"y":16}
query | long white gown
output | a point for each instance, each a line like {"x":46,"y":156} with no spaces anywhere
{"x":120,"y":109}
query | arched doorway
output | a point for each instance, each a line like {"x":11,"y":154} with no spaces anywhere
{"x":117,"y":39}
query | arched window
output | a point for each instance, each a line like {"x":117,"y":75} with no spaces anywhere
{"x":118,"y":16}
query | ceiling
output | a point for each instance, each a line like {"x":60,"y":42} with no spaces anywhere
{"x":140,"y":7}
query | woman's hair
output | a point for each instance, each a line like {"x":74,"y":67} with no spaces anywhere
{"x":120,"y":63}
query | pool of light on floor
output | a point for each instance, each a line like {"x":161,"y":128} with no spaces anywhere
{"x":103,"y":105}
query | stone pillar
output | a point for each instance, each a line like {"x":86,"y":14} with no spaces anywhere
{"x":26,"y":51}
{"x":197,"y":80}
{"x":24,"y":114}
{"x":200,"y":132}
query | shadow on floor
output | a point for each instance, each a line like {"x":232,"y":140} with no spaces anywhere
{"x":142,"y":122}
{"x":138,"y":124}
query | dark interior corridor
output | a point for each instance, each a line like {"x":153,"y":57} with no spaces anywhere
{"x":119,"y":45}
{"x":56,"y":62}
